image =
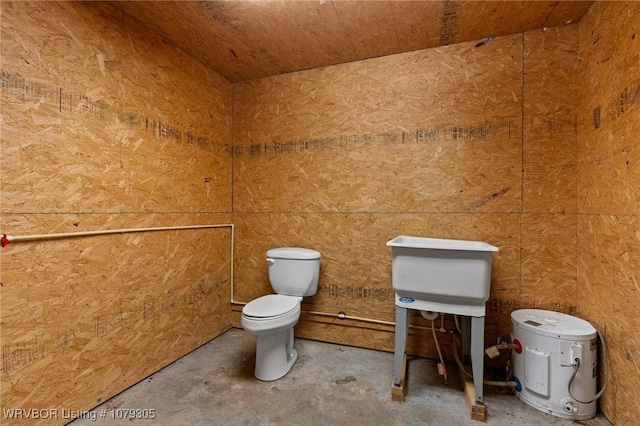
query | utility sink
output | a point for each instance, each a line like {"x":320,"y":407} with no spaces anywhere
{"x":441,"y":275}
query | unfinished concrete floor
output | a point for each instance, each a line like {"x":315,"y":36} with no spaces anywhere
{"x":329,"y":385}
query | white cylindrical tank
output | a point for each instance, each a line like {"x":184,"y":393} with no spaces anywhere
{"x":544,"y":359}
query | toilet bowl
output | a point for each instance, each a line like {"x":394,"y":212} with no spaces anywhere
{"x":293,"y":274}
{"x":272,"y":318}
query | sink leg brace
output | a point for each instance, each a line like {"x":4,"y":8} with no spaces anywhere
{"x":473,"y":390}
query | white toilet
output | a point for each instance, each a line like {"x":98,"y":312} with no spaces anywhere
{"x":293,"y":273}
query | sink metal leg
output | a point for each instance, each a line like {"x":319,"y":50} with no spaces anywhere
{"x":466,"y":339}
{"x":477,"y":355}
{"x":402,"y":328}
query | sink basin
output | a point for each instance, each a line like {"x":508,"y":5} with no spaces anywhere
{"x":441,"y":275}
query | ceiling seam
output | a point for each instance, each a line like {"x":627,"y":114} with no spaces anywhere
{"x":544,"y":24}
{"x":333,"y":5}
{"x":171,"y":42}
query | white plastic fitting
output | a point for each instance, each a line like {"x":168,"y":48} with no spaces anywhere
{"x":429,"y":315}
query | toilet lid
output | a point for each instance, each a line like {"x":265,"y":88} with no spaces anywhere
{"x":270,"y":305}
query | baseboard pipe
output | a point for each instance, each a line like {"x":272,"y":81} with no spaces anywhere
{"x":343,"y":316}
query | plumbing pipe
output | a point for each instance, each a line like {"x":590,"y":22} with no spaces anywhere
{"x":507,"y":383}
{"x":461,"y":366}
{"x":6,"y":239}
{"x":233,"y":238}
{"x":442,"y":367}
{"x":455,"y":319}
{"x":494,"y":350}
{"x":342,"y":315}
{"x":432,"y":316}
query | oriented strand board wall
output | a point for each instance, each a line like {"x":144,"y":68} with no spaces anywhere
{"x":431,"y":143}
{"x":104,"y":126}
{"x":609,"y":195}
{"x":548,"y":225}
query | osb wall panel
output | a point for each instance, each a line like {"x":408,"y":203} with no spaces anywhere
{"x":411,"y":132}
{"x":609,"y":192}
{"x":608,"y":295}
{"x":85,"y":318}
{"x":550,"y":99}
{"x":610,"y":110}
{"x":104,"y":126}
{"x":548,"y":229}
{"x":444,"y":175}
{"x":549,"y":262}
{"x":100,"y":118}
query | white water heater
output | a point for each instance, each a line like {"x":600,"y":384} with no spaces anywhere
{"x":547,"y":345}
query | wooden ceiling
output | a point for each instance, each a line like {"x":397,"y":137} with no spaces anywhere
{"x":246,"y":40}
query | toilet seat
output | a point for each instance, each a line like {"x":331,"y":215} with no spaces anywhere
{"x":271,"y":313}
{"x":271,"y":307}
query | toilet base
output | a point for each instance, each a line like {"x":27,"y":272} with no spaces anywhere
{"x":274,"y":355}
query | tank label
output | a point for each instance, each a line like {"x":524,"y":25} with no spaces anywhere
{"x":406,"y":299}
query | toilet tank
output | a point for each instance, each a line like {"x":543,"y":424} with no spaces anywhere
{"x":294,"y":271}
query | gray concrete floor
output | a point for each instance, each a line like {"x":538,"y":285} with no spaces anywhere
{"x":329,"y":385}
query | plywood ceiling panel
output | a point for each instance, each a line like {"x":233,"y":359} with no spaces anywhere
{"x":246,"y":40}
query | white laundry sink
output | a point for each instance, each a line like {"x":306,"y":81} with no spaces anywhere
{"x":441,"y":275}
